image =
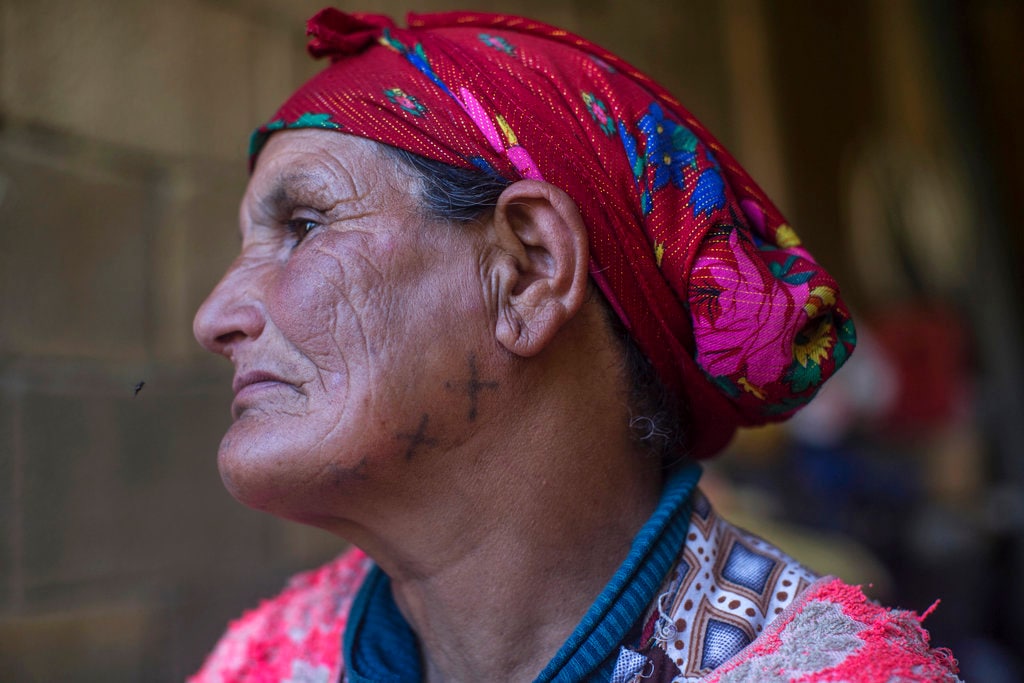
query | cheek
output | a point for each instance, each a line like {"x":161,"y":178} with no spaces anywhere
{"x":302,"y":303}
{"x":321,"y":306}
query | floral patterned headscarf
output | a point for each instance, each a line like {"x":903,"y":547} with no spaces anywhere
{"x":702,"y":269}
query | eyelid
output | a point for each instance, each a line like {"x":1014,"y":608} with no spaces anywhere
{"x":298,"y":224}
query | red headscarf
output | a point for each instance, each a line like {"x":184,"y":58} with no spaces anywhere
{"x":700,"y":266}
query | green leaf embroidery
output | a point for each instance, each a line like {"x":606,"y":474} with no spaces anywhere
{"x":726,"y":386}
{"x":311,"y":120}
{"x":803,"y":377}
{"x":787,"y":404}
{"x":684,"y":139}
{"x":848,"y":333}
{"x":839,"y":354}
{"x":798,"y":278}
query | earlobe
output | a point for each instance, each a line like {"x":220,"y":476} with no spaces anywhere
{"x":541,"y":228}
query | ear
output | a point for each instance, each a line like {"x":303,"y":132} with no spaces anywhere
{"x":544,"y":283}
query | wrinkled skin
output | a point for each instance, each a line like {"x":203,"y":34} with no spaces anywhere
{"x":445,"y":397}
{"x":359,"y":308}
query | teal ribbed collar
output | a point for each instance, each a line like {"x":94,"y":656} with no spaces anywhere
{"x":380,"y":647}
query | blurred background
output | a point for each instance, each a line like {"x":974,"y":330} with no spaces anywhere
{"x":889,"y":131}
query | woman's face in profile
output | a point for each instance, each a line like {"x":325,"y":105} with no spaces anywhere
{"x":345,"y":315}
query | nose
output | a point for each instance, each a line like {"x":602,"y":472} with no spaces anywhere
{"x":233,"y":312}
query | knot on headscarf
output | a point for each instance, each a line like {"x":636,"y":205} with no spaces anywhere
{"x":766,"y":325}
{"x":711,"y":282}
{"x":336,"y":34}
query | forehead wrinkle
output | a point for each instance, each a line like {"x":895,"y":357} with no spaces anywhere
{"x":305,"y":186}
{"x":305,"y":177}
{"x":344,"y":181}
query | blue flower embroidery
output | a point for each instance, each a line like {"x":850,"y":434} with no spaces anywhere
{"x":484,"y":166}
{"x":417,"y":57}
{"x":629,"y":143}
{"x":670,"y":147}
{"x":636,"y":163}
{"x":709,"y":195}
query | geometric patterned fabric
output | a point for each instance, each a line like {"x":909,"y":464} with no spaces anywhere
{"x":726,"y":587}
{"x":747,"y":568}
{"x":722,"y":640}
{"x":629,"y":665}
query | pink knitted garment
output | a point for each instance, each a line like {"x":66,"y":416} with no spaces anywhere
{"x":294,"y":637}
{"x":834,"y":633}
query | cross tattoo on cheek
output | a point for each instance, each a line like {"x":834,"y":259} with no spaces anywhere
{"x":418,"y":438}
{"x":472,"y":387}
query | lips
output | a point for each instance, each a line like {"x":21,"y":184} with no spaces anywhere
{"x":255,"y":388}
{"x":255,"y":377}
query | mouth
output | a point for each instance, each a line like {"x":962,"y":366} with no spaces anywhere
{"x":249,"y":385}
{"x":255,"y":377}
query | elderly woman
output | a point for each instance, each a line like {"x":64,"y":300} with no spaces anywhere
{"x":498,"y":291}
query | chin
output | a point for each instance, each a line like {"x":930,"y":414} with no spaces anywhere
{"x":258,"y":469}
{"x":264,"y":465}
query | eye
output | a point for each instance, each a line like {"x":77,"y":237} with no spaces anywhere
{"x":300,"y":228}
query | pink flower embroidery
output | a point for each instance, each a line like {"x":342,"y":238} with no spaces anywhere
{"x":599,"y":112}
{"x":406,"y":102}
{"x":745,"y":320}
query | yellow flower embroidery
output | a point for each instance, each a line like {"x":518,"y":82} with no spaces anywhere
{"x":817,"y":346}
{"x":750,"y":388}
{"x":818,"y":298}
{"x":659,"y":252}
{"x":786,"y":237}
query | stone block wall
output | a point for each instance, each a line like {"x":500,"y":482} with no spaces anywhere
{"x":123,"y":134}
{"x":123,"y":130}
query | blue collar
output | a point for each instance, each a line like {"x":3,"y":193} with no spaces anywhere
{"x":380,"y":647}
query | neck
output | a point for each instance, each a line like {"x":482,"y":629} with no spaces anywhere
{"x":498,"y":548}
{"x":493,"y":579}
{"x":522,"y":574}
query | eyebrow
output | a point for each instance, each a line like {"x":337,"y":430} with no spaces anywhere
{"x":304,"y":185}
{"x":283,"y":190}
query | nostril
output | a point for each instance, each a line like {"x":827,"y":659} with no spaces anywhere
{"x":229,"y":338}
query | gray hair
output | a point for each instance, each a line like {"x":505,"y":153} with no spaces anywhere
{"x":460,"y":195}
